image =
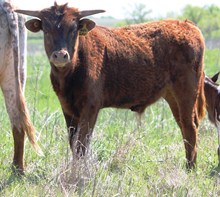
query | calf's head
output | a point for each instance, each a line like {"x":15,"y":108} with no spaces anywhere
{"x":211,"y":84}
{"x":61,"y":26}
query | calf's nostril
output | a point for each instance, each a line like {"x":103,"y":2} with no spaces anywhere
{"x":61,"y":57}
{"x":65,"y":56}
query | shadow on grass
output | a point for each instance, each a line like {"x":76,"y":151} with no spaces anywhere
{"x":9,"y":181}
{"x":215,"y":171}
{"x":16,"y":178}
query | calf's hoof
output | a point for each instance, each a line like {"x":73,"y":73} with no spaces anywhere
{"x":190,"y":165}
{"x":18,"y":171}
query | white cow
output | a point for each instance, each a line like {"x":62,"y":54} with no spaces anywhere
{"x":12,"y":80}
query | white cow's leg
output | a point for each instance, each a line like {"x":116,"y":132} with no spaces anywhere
{"x":7,"y":81}
{"x":8,"y":85}
{"x":12,"y":80}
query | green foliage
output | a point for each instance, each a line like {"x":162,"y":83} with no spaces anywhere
{"x":193,"y":13}
{"x":207,"y":19}
{"x":136,"y":14}
{"x":212,"y":61}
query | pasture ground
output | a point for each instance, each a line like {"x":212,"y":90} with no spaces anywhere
{"x":126,"y":158}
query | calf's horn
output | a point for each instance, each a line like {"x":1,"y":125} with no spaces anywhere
{"x":81,"y":13}
{"x":29,"y":12}
{"x":89,"y":12}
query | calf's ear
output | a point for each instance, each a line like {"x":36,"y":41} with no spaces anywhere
{"x":215,"y":77}
{"x":85,"y":25}
{"x":34,"y":25}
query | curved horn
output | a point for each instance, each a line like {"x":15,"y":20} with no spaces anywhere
{"x":89,"y":12}
{"x":29,"y":12}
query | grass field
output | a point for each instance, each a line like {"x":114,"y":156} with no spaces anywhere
{"x":127,"y":157}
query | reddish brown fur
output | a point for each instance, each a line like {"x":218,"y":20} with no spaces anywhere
{"x":128,"y":67}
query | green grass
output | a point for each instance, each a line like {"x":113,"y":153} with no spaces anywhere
{"x":212,"y":61}
{"x":126,"y":158}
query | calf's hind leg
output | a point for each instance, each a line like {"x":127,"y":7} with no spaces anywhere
{"x":184,"y":109}
{"x":174,"y":107}
{"x":189,"y":123}
{"x":189,"y":131}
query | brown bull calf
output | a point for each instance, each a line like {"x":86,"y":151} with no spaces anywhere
{"x":94,"y":67}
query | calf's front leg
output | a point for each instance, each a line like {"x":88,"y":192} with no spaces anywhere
{"x":80,"y":130}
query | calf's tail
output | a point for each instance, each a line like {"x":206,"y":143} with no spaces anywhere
{"x":201,"y":103}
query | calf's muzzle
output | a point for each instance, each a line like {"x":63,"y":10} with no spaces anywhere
{"x":60,"y":58}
